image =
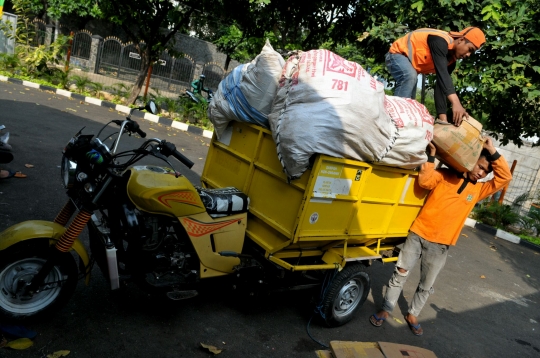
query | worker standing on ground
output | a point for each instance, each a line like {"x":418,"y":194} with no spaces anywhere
{"x":452,"y":197}
{"x":428,"y":51}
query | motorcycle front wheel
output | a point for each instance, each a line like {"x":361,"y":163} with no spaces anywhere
{"x":18,"y":265}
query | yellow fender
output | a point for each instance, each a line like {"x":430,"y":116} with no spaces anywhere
{"x":38,"y":229}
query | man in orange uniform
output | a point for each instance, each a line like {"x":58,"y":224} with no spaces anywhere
{"x":434,"y":231}
{"x":432,"y":51}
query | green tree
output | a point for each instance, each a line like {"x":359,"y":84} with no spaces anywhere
{"x":151,"y":25}
{"x":500,"y":85}
{"x":240,"y":27}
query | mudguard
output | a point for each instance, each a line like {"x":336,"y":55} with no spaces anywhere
{"x":38,"y":229}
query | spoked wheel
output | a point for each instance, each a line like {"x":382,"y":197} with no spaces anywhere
{"x":18,"y":265}
{"x":347,"y":293}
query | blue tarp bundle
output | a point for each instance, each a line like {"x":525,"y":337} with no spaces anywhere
{"x":238,"y":102}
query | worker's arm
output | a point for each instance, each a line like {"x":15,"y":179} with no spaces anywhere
{"x":444,"y":88}
{"x":429,"y":177}
{"x":501,"y":172}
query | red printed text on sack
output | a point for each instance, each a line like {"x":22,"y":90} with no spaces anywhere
{"x":335,"y":63}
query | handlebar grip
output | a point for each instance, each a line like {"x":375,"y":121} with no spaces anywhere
{"x":134,"y":127}
{"x":140,"y":132}
{"x":188,"y":163}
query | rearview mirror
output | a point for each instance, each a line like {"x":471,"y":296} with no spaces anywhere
{"x":151,"y":107}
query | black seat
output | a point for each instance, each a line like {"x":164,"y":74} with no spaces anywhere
{"x":224,"y":201}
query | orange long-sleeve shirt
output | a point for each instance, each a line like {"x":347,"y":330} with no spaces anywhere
{"x":446,"y":209}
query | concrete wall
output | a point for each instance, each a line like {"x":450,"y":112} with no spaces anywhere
{"x":527,"y":156}
{"x":202,"y":51}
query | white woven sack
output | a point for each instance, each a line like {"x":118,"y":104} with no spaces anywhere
{"x":260,"y":79}
{"x":415,"y":128}
{"x":328,"y":105}
{"x":249,"y":97}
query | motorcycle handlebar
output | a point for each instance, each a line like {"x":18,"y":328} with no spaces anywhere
{"x":134,"y":127}
{"x":168,"y":148}
{"x":140,"y":132}
{"x":182,"y":158}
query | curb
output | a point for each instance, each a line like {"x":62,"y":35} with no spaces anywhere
{"x":493,"y":231}
{"x":501,"y":234}
{"x":120,"y":108}
{"x":530,"y":245}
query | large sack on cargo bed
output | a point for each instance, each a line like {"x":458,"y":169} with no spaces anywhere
{"x":247,"y":93}
{"x":415,"y":130}
{"x":326,"y":104}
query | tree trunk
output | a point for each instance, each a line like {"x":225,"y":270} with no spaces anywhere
{"x":139,"y":82}
{"x":227,"y":63}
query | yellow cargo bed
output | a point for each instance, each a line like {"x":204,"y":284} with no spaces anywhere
{"x":339,"y":210}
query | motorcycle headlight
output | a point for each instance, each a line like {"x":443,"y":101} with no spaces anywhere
{"x":68,"y":172}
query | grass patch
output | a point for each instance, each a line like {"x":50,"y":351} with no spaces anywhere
{"x":534,"y":240}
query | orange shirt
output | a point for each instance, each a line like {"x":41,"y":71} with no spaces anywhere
{"x":444,"y":213}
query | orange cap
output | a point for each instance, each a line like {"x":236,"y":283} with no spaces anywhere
{"x":473,"y":34}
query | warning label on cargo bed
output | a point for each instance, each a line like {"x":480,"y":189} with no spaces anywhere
{"x":329,"y":182}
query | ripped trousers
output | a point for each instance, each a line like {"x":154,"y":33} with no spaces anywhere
{"x":432,"y":258}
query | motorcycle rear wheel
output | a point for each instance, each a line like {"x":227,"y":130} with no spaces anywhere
{"x":347,"y":293}
{"x":18,"y":265}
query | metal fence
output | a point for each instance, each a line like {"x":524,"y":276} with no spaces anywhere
{"x":116,"y":62}
{"x":41,"y":33}
{"x":522,"y":191}
{"x":172,"y":74}
{"x":82,"y":44}
{"x":213,"y":73}
{"x":111,"y":62}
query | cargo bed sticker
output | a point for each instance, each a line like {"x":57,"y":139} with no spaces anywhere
{"x":329,"y":184}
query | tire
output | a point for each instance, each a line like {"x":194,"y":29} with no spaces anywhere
{"x":20,"y":263}
{"x":345,"y":295}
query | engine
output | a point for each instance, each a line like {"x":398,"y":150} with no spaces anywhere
{"x":156,"y":248}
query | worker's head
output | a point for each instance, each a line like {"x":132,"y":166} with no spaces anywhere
{"x":482,"y":168}
{"x":467,"y":41}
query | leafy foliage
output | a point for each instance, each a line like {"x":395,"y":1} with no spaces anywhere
{"x":498,"y":215}
{"x":31,"y":59}
{"x":96,"y":88}
{"x":500,"y":84}
{"x":194,"y":112}
{"x":58,"y":77}
{"x":119,"y":90}
{"x":81,"y":82}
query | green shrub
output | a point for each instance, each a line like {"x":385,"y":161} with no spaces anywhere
{"x":119,"y":90}
{"x":497,"y":215}
{"x":9,"y":62}
{"x":193,"y":112}
{"x":80,"y":82}
{"x":96,"y":88}
{"x":159,"y":98}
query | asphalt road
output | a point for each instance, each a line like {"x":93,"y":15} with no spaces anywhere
{"x":486,"y":300}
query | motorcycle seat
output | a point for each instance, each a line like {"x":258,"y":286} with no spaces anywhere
{"x":223,"y":201}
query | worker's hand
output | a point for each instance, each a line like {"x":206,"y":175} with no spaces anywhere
{"x":431,"y":150}
{"x":488,"y":144}
{"x":458,"y":113}
{"x":442,"y":118}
